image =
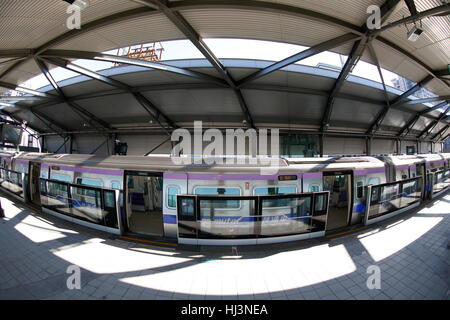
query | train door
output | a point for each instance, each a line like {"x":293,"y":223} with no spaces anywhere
{"x":35,"y":173}
{"x":144,"y":203}
{"x":339,"y":185}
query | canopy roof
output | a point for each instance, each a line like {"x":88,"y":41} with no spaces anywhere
{"x":225,"y":92}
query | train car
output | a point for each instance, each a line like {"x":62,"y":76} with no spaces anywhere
{"x":229,"y":202}
{"x":345,"y":178}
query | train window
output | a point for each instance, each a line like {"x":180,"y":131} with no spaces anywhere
{"x":275,"y":203}
{"x":172,"y":193}
{"x":221,"y":204}
{"x":262,"y":191}
{"x":314,"y":188}
{"x":373,"y":181}
{"x":90,"y":182}
{"x":60,"y":177}
{"x":404,"y":176}
{"x":359,"y":189}
{"x":115,"y":185}
{"x":218,"y":191}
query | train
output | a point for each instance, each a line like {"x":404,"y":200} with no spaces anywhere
{"x":225,"y":203}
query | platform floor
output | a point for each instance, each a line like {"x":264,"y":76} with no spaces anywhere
{"x":411,"y":251}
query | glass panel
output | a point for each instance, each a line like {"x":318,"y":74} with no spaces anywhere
{"x":13,"y":182}
{"x":87,"y":204}
{"x":410,"y":192}
{"x":60,"y":177}
{"x":286,"y":216}
{"x":187,"y":220}
{"x":187,"y":208}
{"x":115,"y":185}
{"x":90,"y":182}
{"x":43,"y":190}
{"x":442,"y":181}
{"x":215,"y":221}
{"x":274,"y":190}
{"x":109,"y":198}
{"x":221,"y":204}
{"x":390,"y":197}
{"x":319,"y":216}
{"x":57,"y":197}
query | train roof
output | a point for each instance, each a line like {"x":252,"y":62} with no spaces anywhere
{"x":7,"y":154}
{"x":183,"y":163}
{"x":413,"y":159}
{"x":160,"y":163}
{"x":335,"y":163}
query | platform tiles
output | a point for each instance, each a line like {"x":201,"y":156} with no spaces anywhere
{"x":409,"y":251}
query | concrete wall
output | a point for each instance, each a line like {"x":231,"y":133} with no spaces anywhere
{"x":141,"y":144}
{"x":383,"y":146}
{"x":332,"y":145}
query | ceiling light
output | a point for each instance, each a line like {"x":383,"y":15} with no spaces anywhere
{"x":82,"y":4}
{"x":414,"y":33}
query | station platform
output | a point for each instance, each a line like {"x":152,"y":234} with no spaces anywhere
{"x":411,"y":251}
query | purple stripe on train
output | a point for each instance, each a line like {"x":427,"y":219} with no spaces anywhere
{"x":171,"y":175}
{"x":92,"y":170}
{"x":405,"y":166}
{"x":201,"y":176}
{"x":368,"y":171}
{"x":435,"y":163}
{"x":207,"y":176}
{"x":25,"y":162}
{"x":312,"y":175}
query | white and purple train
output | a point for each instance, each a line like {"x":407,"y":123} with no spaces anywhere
{"x":222,"y":204}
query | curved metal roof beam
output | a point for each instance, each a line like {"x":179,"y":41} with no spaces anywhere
{"x":14,"y":87}
{"x":265,"y":6}
{"x":295,"y":11}
{"x":121,"y":16}
{"x":244,"y":4}
{"x":89,"y":55}
{"x":115,"y":18}
{"x":441,"y":10}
